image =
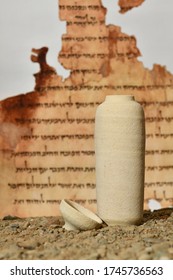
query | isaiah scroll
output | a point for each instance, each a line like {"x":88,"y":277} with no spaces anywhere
{"x":47,"y":136}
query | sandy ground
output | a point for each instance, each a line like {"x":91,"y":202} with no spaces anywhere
{"x":44,"y":238}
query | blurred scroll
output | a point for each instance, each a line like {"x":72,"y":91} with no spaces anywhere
{"x":47,"y":136}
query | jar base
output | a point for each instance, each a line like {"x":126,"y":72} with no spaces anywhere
{"x":123,"y":223}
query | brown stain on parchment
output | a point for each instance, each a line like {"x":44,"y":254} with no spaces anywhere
{"x":12,"y":109}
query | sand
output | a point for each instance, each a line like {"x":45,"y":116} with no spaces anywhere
{"x":44,"y":238}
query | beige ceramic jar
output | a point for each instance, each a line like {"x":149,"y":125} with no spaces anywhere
{"x":120,"y":154}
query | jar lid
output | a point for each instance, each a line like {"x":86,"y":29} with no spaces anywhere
{"x":77,"y":217}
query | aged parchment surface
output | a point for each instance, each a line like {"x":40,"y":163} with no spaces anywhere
{"x":127,"y":5}
{"x":47,"y":136}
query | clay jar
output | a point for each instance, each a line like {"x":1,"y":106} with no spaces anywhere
{"x":120,"y":154}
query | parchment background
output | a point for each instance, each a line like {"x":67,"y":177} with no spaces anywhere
{"x":47,"y":136}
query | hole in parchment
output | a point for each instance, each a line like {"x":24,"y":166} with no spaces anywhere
{"x":151,"y":24}
{"x":154,"y":204}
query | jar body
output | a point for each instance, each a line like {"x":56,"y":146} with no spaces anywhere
{"x":120,"y":160}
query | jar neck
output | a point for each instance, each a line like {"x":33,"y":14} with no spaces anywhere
{"x":119,"y":98}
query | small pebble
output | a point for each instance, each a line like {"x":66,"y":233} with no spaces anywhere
{"x":145,"y":257}
{"x":14,"y":226}
{"x":26,"y":225}
{"x":29,"y":245}
{"x":149,"y":250}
